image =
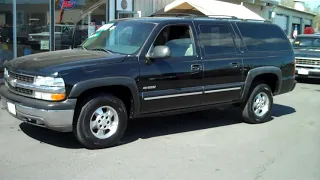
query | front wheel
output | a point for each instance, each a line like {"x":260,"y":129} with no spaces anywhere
{"x":259,"y":105}
{"x":102,"y":122}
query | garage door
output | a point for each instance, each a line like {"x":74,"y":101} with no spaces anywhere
{"x":281,"y":21}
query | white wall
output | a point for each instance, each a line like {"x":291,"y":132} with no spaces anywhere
{"x":162,"y":3}
{"x":145,"y":6}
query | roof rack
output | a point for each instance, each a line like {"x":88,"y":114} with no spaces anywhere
{"x":174,"y":14}
{"x":256,"y":20}
{"x":218,"y":16}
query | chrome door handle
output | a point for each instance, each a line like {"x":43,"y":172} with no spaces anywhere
{"x":234,"y":65}
{"x":196,"y":67}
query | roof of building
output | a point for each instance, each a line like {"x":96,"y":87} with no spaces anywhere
{"x":293,"y":9}
{"x":210,"y":7}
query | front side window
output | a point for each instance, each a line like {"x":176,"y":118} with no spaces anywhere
{"x":216,"y":39}
{"x":122,"y":37}
{"x":179,"y":40}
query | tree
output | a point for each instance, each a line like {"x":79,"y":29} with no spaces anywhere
{"x":288,"y":3}
{"x":316,"y":23}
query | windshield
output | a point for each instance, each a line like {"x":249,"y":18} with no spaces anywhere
{"x":307,"y":42}
{"x":119,"y":37}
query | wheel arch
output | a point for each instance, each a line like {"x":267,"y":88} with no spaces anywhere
{"x":259,"y":71}
{"x":127,"y":82}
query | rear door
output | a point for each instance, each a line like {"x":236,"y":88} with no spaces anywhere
{"x":222,"y":62}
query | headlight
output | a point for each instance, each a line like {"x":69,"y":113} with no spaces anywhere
{"x":49,"y":88}
{"x":6,"y":74}
{"x":49,"y":81}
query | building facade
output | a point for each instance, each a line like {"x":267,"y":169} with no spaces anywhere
{"x":33,"y":26}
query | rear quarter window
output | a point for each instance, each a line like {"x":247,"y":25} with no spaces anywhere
{"x":263,"y":37}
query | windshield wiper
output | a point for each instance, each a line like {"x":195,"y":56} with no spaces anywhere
{"x":82,"y":47}
{"x":102,"y":49}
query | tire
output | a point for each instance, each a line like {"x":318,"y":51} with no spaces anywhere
{"x":249,"y":116}
{"x":87,"y":133}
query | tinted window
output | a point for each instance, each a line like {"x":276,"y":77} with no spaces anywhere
{"x":263,"y":37}
{"x":216,"y":39}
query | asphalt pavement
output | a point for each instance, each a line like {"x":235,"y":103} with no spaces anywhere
{"x":211,"y":145}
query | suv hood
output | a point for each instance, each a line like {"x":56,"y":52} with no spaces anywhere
{"x":311,"y":53}
{"x":48,"y":63}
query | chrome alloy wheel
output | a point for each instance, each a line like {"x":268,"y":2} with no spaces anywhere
{"x":104,"y":122}
{"x":261,"y":104}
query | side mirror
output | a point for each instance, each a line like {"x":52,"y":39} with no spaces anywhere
{"x":159,"y":52}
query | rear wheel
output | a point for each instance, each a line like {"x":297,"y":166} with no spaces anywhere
{"x":102,"y":122}
{"x":259,"y":105}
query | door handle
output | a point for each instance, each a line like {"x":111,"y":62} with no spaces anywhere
{"x":196,"y":67}
{"x":234,"y":65}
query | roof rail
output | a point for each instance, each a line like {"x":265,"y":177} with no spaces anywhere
{"x":174,"y":14}
{"x":218,"y":16}
{"x":256,"y":20}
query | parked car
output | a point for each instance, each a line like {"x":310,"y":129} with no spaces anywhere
{"x":165,"y":65}
{"x":62,"y":33}
{"x":307,"y":52}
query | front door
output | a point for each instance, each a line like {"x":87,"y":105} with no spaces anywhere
{"x":176,"y":82}
{"x":222,"y":61}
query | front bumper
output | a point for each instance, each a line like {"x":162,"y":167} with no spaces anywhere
{"x":307,"y":72}
{"x":57,"y":116}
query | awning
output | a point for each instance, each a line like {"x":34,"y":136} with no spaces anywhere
{"x":210,"y":7}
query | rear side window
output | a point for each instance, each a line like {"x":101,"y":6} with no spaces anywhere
{"x":263,"y":37}
{"x":216,"y":39}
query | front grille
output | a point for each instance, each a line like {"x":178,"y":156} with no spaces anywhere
{"x":20,"y":77}
{"x":20,"y":90}
{"x":308,"y":61}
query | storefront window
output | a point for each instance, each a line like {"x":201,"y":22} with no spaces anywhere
{"x":6,"y":32}
{"x":33,"y":20}
{"x":88,"y":14}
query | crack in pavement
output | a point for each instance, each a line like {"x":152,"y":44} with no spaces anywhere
{"x":264,"y":168}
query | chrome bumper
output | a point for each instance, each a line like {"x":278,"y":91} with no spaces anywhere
{"x":58,"y":120}
{"x":308,"y":71}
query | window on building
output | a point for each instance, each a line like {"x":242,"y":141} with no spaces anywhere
{"x":88,"y":21}
{"x":6,"y":33}
{"x":263,"y":37}
{"x":216,"y":39}
{"x":179,"y":40}
{"x":33,"y":34}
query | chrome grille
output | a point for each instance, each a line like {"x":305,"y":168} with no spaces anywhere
{"x":306,"y":61}
{"x":20,"y":77}
{"x":20,"y":90}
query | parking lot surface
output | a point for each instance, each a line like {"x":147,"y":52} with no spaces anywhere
{"x":211,"y":144}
